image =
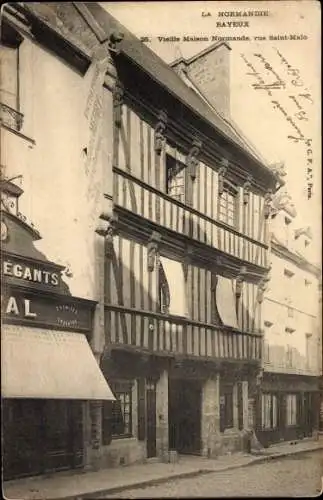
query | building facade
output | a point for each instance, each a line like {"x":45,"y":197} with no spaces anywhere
{"x":50,"y":376}
{"x":290,"y":385}
{"x":287,"y":397}
{"x":159,"y":213}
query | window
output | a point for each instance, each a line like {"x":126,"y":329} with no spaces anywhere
{"x":175,"y":179}
{"x":164,"y":293}
{"x":9,"y":84}
{"x":291,"y":409}
{"x":269,"y":411}
{"x":228,"y":205}
{"x":117,"y":416}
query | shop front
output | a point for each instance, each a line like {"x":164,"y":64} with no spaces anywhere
{"x":48,"y":370}
{"x":288,"y":408}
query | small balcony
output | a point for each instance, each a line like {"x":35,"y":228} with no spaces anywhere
{"x":179,"y":336}
{"x":139,"y":198}
{"x":10,"y":117}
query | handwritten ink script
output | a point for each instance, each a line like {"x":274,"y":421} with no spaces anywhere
{"x":288,"y":96}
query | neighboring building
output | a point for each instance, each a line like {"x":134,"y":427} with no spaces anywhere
{"x":47,"y":366}
{"x":159,"y":214}
{"x":293,"y":337}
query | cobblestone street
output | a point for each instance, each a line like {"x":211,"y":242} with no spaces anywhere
{"x":294,"y":476}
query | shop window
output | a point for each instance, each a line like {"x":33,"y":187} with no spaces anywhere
{"x":175,"y":179}
{"x":164,"y":293}
{"x":228,"y":205}
{"x":269,"y":408}
{"x":117,"y":415}
{"x":291,"y":409}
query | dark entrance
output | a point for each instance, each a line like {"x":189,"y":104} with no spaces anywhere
{"x":308,"y":414}
{"x":184,"y":415}
{"x":41,"y":436}
{"x":151,"y":418}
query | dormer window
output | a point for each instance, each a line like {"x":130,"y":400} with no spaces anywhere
{"x":268,"y":324}
{"x":228,"y":204}
{"x":288,"y":273}
{"x":289,"y":330}
{"x":287,"y":221}
{"x":306,"y":243}
{"x":307,"y":282}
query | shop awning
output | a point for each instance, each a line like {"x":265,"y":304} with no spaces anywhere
{"x":225,"y":302}
{"x":39,"y":363}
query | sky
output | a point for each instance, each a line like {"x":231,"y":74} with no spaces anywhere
{"x":282,"y":122}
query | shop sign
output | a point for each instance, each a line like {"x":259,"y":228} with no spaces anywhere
{"x":29,"y":273}
{"x":34,"y":309}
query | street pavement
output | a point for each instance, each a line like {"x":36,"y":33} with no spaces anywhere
{"x":72,"y":485}
{"x":294,"y":476}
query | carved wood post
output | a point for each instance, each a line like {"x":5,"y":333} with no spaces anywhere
{"x":152,"y":248}
{"x":118,"y":95}
{"x":159,"y":145}
{"x":239,"y":287}
{"x":160,"y":128}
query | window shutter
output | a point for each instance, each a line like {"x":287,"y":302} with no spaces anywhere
{"x":141,"y":409}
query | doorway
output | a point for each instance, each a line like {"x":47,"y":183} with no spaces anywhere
{"x":184,"y":415}
{"x":41,"y":436}
{"x":151,"y":418}
{"x":308,"y":414}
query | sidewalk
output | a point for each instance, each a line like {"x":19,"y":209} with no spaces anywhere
{"x":77,"y":485}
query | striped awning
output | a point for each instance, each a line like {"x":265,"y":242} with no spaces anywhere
{"x":49,"y":364}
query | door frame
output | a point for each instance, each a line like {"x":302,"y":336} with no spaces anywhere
{"x":151,"y":420}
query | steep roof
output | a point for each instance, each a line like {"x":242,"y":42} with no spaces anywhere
{"x":160,"y":71}
{"x":58,"y":16}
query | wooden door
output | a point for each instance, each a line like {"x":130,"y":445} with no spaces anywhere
{"x":151,"y":417}
{"x":41,"y":436}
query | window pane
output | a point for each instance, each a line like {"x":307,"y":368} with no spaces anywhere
{"x":175,"y":178}
{"x":9,"y":76}
{"x":228,"y":206}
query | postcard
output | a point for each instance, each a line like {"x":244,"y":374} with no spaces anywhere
{"x":161,"y":249}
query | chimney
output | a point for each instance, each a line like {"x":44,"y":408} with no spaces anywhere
{"x":209,"y":71}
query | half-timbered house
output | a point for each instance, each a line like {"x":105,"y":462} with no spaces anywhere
{"x":179,"y":206}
